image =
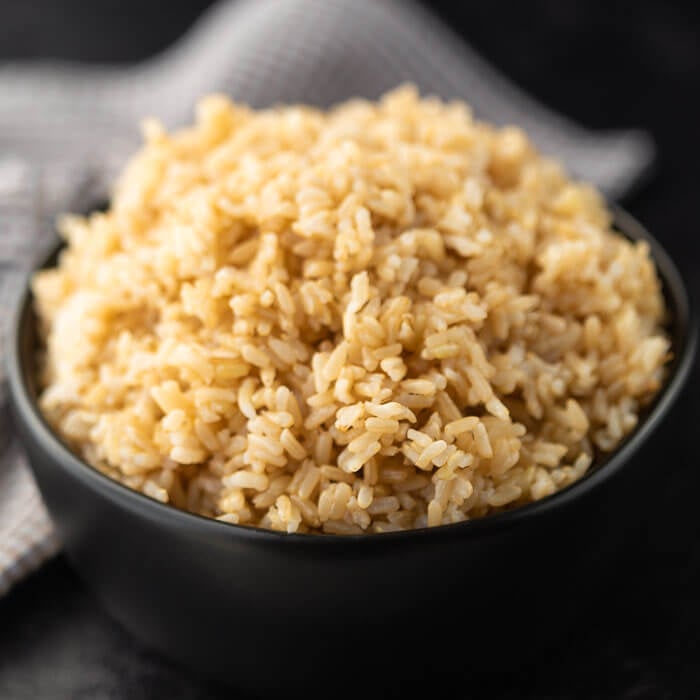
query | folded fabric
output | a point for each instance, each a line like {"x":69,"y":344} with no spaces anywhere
{"x":65,"y":130}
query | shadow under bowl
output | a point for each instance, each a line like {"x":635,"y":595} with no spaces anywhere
{"x":265,"y":610}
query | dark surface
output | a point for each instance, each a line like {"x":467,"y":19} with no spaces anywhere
{"x":604,"y":64}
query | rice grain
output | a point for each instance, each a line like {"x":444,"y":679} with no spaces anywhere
{"x":383,"y":316}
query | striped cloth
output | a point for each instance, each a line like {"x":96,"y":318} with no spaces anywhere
{"x":66,"y":129}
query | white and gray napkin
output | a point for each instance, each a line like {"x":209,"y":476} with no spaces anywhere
{"x":65,"y":130}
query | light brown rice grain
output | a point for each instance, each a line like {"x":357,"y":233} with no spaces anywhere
{"x":381,"y":316}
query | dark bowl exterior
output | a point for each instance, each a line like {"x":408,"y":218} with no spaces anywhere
{"x":264,"y":610}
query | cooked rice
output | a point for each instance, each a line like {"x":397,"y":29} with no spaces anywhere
{"x":380,"y":317}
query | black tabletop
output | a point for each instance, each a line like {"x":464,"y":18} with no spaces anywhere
{"x":610,"y":64}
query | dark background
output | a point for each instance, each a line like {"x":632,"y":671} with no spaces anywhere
{"x":603,"y":64}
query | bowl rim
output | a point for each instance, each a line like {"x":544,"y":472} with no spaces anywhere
{"x":684,"y":337}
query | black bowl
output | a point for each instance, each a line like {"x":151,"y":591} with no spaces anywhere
{"x":262,"y":610}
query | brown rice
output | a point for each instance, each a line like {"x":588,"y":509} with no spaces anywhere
{"x":379,"y":317}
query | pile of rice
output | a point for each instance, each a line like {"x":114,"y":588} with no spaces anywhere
{"x":380,"y":317}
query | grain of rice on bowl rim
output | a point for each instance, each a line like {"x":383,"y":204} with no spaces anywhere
{"x":379,"y":317}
